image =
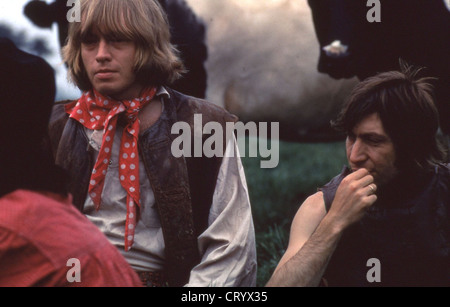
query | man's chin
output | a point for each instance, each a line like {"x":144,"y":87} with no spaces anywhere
{"x":118,"y":91}
{"x":106,"y":91}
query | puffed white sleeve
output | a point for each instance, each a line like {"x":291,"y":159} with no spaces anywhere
{"x":227,"y":246}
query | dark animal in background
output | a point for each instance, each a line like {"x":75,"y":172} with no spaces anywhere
{"x":188,"y":34}
{"x":418,"y":31}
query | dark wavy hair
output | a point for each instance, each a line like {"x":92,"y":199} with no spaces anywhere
{"x":406,"y":106}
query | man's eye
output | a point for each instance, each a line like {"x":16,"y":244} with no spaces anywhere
{"x":90,"y":40}
{"x":374,"y":141}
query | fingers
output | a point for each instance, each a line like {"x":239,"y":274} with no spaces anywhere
{"x":354,"y":196}
{"x":361,"y":179}
{"x":359,"y":188}
{"x":372,"y":188}
{"x":366,"y":181}
{"x":358,"y":174}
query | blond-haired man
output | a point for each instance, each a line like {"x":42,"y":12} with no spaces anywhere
{"x":178,"y":221}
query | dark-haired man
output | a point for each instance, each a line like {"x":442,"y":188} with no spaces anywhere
{"x":384,"y":221}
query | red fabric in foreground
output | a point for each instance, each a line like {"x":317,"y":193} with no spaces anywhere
{"x":40,"y":233}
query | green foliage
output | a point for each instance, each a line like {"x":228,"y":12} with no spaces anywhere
{"x":277,"y":193}
{"x":271,"y":245}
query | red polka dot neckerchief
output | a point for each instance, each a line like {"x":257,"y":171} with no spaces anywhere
{"x":97,"y":112}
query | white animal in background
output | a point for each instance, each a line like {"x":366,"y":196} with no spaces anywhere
{"x":262,"y":66}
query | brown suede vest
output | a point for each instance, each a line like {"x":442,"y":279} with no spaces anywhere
{"x":183,"y":187}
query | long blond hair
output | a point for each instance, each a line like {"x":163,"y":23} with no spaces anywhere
{"x":142,"y":21}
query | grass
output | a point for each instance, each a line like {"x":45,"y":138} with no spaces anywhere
{"x":277,"y":193}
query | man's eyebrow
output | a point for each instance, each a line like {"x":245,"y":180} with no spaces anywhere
{"x":369,"y":135}
{"x":374,"y":135}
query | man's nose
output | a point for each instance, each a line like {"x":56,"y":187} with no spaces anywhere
{"x":103,"y":51}
{"x":358,"y":152}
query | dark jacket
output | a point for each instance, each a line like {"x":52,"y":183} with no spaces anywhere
{"x":183,"y":188}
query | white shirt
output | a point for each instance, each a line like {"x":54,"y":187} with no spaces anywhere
{"x":227,"y":247}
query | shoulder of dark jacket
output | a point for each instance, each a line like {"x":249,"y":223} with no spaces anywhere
{"x":189,"y":105}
